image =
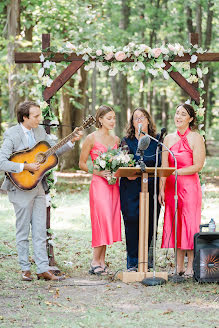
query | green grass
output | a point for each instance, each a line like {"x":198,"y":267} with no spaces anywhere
{"x":87,"y":301}
{"x":211,"y":167}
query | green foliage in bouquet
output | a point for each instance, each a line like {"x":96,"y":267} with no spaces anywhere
{"x":112,"y":160}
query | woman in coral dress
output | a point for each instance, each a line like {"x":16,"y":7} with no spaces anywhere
{"x":104,"y":198}
{"x":189,"y":150}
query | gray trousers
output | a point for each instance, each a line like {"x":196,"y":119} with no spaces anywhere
{"x":30,"y":209}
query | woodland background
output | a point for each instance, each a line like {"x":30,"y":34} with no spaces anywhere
{"x":81,"y":300}
{"x":94,"y":23}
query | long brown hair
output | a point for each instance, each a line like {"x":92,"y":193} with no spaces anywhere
{"x":102,"y":110}
{"x":151,"y":126}
{"x":190,"y":110}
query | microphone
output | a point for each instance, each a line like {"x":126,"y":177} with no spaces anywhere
{"x":143,"y":144}
{"x":139,"y":129}
{"x":50,"y":124}
{"x":163,"y":131}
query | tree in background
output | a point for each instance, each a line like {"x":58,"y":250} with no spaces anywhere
{"x":111,"y":23}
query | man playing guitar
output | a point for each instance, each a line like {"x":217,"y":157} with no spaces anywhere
{"x":29,"y":205}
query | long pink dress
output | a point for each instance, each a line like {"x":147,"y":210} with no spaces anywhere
{"x":189,"y":199}
{"x":104,"y":206}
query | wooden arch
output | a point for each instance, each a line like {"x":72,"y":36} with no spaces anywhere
{"x":76,"y":62}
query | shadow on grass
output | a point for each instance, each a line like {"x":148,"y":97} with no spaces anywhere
{"x":76,"y":302}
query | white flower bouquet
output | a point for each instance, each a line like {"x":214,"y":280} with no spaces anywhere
{"x":112,"y":160}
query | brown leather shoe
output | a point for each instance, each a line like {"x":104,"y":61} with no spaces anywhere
{"x":26,"y":276}
{"x":49,"y":276}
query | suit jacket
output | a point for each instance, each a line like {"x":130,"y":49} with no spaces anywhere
{"x":15,"y":140}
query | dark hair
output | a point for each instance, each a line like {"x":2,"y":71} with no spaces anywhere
{"x":190,"y":110}
{"x":24,"y":110}
{"x":102,"y":110}
{"x":151,"y":125}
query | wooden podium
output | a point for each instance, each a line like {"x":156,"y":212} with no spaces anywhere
{"x":143,"y":221}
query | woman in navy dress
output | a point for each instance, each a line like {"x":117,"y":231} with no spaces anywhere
{"x":131,"y":187}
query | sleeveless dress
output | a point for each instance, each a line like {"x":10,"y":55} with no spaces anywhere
{"x":189,"y":199}
{"x":104,"y":206}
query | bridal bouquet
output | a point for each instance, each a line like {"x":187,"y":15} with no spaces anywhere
{"x":112,"y":160}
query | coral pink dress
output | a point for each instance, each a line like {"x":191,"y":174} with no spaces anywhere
{"x":104,"y":206}
{"x":189,"y":199}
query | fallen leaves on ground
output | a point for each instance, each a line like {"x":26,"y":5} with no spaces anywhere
{"x":168,"y":311}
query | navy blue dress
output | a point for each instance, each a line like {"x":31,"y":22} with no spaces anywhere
{"x":129,"y":195}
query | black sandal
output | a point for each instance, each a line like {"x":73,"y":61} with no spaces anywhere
{"x":98,"y":273}
{"x":107,"y":270}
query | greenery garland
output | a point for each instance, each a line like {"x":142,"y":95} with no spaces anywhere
{"x":110,"y":59}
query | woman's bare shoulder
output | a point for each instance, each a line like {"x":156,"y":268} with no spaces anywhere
{"x":169,"y":137}
{"x":90,"y":138}
{"x":196,"y":136}
{"x":117,"y":140}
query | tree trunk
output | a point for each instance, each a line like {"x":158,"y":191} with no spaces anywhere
{"x":208,"y":35}
{"x":164,"y":106}
{"x":67,"y":158}
{"x":94,"y":91}
{"x":206,"y":80}
{"x":157,"y":115}
{"x":141,"y":90}
{"x":149,"y":94}
{"x":123,"y":94}
{"x":123,"y":104}
{"x":13,"y":18}
{"x":150,"y":78}
{"x":199,"y":23}
{"x":211,"y":102}
{"x":73,"y":117}
{"x":189,"y":19}
{"x":78,"y":114}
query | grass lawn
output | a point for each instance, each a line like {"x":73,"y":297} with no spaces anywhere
{"x":85,"y":301}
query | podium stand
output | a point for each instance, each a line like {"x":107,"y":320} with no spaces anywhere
{"x":143,"y":221}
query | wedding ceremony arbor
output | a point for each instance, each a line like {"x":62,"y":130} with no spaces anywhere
{"x":76,"y":62}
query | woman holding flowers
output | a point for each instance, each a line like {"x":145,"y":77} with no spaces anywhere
{"x":104,"y":197}
{"x":131,"y":187}
{"x":189,"y":150}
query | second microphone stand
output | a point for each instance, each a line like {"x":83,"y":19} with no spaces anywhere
{"x":175,"y":278}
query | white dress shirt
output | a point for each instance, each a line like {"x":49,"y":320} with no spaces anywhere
{"x":26,"y":135}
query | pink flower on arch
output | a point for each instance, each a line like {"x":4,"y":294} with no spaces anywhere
{"x":120,"y":55}
{"x":109,"y":55}
{"x":157,"y":52}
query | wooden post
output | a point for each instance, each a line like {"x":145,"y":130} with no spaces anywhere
{"x":46,"y":45}
{"x":143,"y":225}
{"x":143,"y":222}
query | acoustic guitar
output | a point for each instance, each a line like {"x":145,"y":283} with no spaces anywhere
{"x":42,"y":153}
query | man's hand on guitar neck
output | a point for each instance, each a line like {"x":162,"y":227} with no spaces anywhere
{"x":32,"y":166}
{"x":77,"y":135}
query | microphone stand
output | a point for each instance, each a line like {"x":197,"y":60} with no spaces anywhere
{"x":141,"y":162}
{"x":175,"y":278}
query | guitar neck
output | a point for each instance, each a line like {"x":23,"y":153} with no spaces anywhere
{"x":61,"y":143}
{"x":87,"y":123}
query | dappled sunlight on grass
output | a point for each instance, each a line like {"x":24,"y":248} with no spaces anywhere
{"x":112,"y":303}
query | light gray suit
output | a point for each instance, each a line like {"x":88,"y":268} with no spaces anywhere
{"x":29,"y":206}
